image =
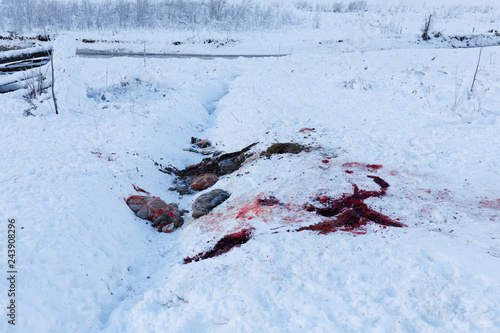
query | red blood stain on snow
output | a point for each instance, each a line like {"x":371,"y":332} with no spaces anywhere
{"x":431,"y":200}
{"x":100,"y":155}
{"x":349,"y":171}
{"x":349,"y":220}
{"x":138,"y":189}
{"x":269,"y":209}
{"x":327,"y":159}
{"x":218,"y":222}
{"x":224,"y":245}
{"x":354,"y":204}
{"x":347,"y":213}
{"x":444,"y":194}
{"x":307,"y":129}
{"x":260,"y":207}
{"x":380,"y":182}
{"x":370,"y":167}
{"x":493,"y":204}
{"x":242,"y":212}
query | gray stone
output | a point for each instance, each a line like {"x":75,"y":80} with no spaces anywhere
{"x":204,"y":181}
{"x":284,"y":148}
{"x":168,"y":222}
{"x":165,"y":217}
{"x":208,"y":201}
{"x":228,"y":166}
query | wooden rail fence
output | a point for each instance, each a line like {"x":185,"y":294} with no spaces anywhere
{"x":18,"y":67}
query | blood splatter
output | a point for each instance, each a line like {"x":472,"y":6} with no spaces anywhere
{"x":347,"y":213}
{"x":354,"y":204}
{"x":371,"y":167}
{"x":307,"y":129}
{"x":349,"y":171}
{"x":138,"y":189}
{"x":380,"y":182}
{"x":224,"y":245}
{"x":493,"y":204}
{"x":379,"y":218}
{"x":349,"y":220}
{"x":335,"y":206}
{"x":257,"y":208}
{"x":100,"y":155}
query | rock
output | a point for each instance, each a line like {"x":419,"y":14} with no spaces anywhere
{"x":163,"y":219}
{"x":228,"y":166}
{"x":204,"y":181}
{"x":239,"y":154}
{"x":207,"y":165}
{"x":181,"y":189}
{"x":284,"y":148}
{"x":136,"y":202}
{"x":230,"y":163}
{"x":168,"y":222}
{"x":156,"y":210}
{"x":208,"y":201}
{"x":201,"y":143}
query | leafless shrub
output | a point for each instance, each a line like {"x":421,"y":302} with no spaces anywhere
{"x":426,"y":27}
{"x":35,"y":84}
{"x":356,"y":6}
{"x":477,"y":68}
{"x":303,"y":5}
{"x":317,"y":20}
{"x":337,"y":7}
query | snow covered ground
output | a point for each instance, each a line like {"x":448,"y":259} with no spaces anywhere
{"x":381,"y":96}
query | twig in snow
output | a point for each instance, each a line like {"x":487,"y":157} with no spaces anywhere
{"x":425,"y":29}
{"x":477,"y":68}
{"x":235,"y":117}
{"x":138,"y":114}
{"x":53,"y":94}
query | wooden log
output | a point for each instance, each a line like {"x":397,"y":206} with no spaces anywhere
{"x":121,"y":53}
{"x":22,"y":65}
{"x":24,"y":84}
{"x":13,"y":86}
{"x":18,"y":80}
{"x":17,"y":55}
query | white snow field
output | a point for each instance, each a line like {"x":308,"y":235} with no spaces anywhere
{"x":362,"y":90}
